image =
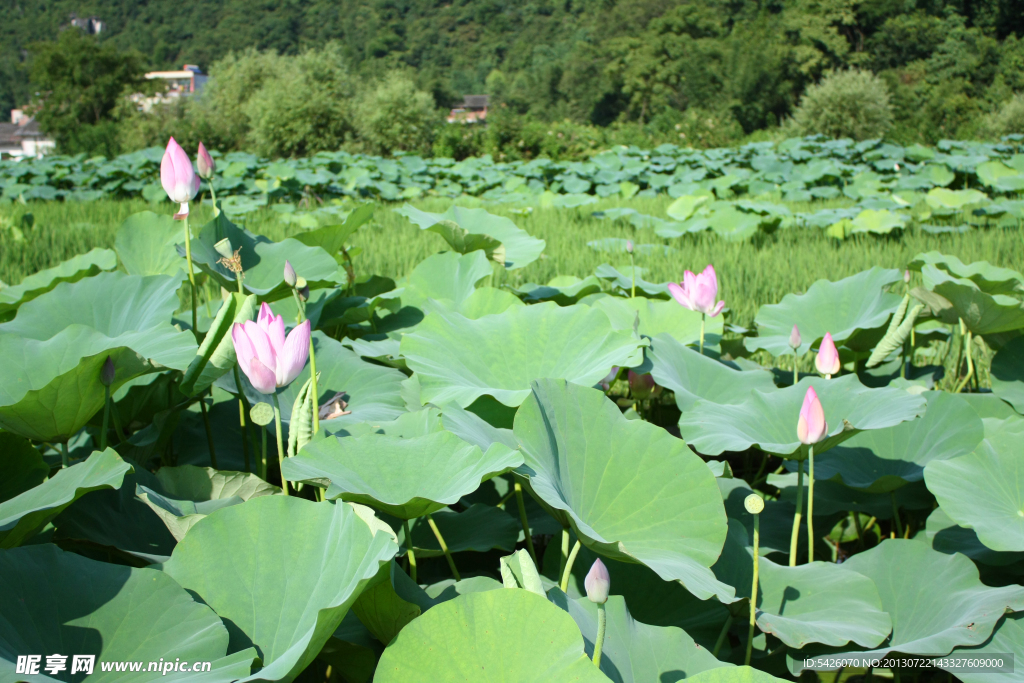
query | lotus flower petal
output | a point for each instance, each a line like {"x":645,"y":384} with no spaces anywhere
{"x":293,"y":355}
{"x":811,"y":426}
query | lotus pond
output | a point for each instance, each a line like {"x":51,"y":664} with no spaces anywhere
{"x":256,"y":452}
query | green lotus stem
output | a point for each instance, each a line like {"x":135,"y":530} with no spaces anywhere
{"x":191,"y":277}
{"x":753,"y":592}
{"x":280,"y":446}
{"x":702,"y":317}
{"x":564,"y":555}
{"x":632,"y":269}
{"x":857,"y":527}
{"x":796,"y":374}
{"x":444,"y":547}
{"x":106,"y":418}
{"x":810,"y":505}
{"x":116,"y":417}
{"x":567,"y":572}
{"x":970,"y":364}
{"x":896,"y":515}
{"x":722,"y":636}
{"x":408,"y":550}
{"x":65,"y":459}
{"x":263,"y":455}
{"x":312,"y":365}
{"x":213,"y":198}
{"x":760,"y":469}
{"x":525,"y":522}
{"x":243,"y":408}
{"x":209,"y":433}
{"x":602,"y":622}
{"x":794,"y":537}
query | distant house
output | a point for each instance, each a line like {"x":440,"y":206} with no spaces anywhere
{"x":22,"y":138}
{"x":472,"y":110}
{"x":91,"y":25}
{"x":185,"y":83}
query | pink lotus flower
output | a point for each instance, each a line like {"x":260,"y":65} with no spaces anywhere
{"x":811,"y":427}
{"x":642,"y":386}
{"x":178,"y":177}
{"x":698,"y":292}
{"x":598,"y":583}
{"x":205,"y":163}
{"x":827,"y":360}
{"x":266,"y":357}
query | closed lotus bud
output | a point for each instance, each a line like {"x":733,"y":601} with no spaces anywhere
{"x":754,"y":504}
{"x":641,"y":386}
{"x":598,"y":583}
{"x":107,"y":372}
{"x":629,"y":246}
{"x":205,"y":163}
{"x":811,"y":426}
{"x":906,"y":276}
{"x":289,"y":274}
{"x":606,"y":383}
{"x":827,"y":360}
{"x":224,"y":248}
{"x":794,"y":338}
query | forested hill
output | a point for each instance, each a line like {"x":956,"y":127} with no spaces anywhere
{"x":588,"y":60}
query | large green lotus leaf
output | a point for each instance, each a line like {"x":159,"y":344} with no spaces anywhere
{"x":882,"y":460}
{"x":736,"y":674}
{"x":947,"y":537}
{"x":262,"y":260}
{"x":488,"y":301}
{"x":57,"y":343}
{"x":23,"y":466}
{"x":734,"y":225}
{"x":767,"y":419}
{"x":622,"y":281}
{"x":937,"y":602}
{"x":941,"y":198}
{"x":371,"y":392}
{"x":216,"y":355}
{"x":981,"y":312}
{"x":880,"y":222}
{"x":692,"y":376}
{"x":631,"y":490}
{"x":984,"y":490}
{"x":72,"y":270}
{"x":819,"y":602}
{"x":449,"y":278}
{"x":283,"y":572}
{"x":1007,"y":373}
{"x":634,"y":652}
{"x":58,"y":602}
{"x":188,"y":493}
{"x":494,"y":636}
{"x":844,"y":309}
{"x":404,"y":477}
{"x":479,"y":528}
{"x":460,"y":360}
{"x":564,"y":290}
{"x":463,"y":229}
{"x":989,"y":278}
{"x":660,"y":318}
{"x":24,"y":514}
{"x":331,"y":238}
{"x":1007,"y":638}
{"x":147,"y":243}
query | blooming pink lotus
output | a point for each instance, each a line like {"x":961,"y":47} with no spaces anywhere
{"x":811,"y":426}
{"x":178,"y":177}
{"x":698,"y":292}
{"x":266,"y":357}
{"x":827,"y":360}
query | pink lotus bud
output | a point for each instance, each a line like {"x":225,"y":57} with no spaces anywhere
{"x":827,"y":360}
{"x":177,"y":176}
{"x":606,"y":383}
{"x":629,"y":246}
{"x":698,"y":292}
{"x":265,"y":355}
{"x":107,"y":372}
{"x":598,"y":583}
{"x":289,"y":274}
{"x":906,"y":276}
{"x":641,"y":386}
{"x":794,"y":338}
{"x":811,"y":426}
{"x":206,"y":164}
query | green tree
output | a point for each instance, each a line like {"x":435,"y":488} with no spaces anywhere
{"x":396,"y":116}
{"x":845,"y":104}
{"x":78,"y":84}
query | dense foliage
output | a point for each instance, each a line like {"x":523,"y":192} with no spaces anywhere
{"x":587,"y":479}
{"x":651,"y":65}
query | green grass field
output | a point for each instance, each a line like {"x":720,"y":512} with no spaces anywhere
{"x":751,"y":274}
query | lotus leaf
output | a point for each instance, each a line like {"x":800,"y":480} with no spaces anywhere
{"x":72,"y":270}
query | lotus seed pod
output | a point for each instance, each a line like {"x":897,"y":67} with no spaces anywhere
{"x":289,"y":274}
{"x":754,"y":504}
{"x":224,"y":248}
{"x":597,"y":582}
{"x":794,"y":338}
{"x":107,"y":372}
